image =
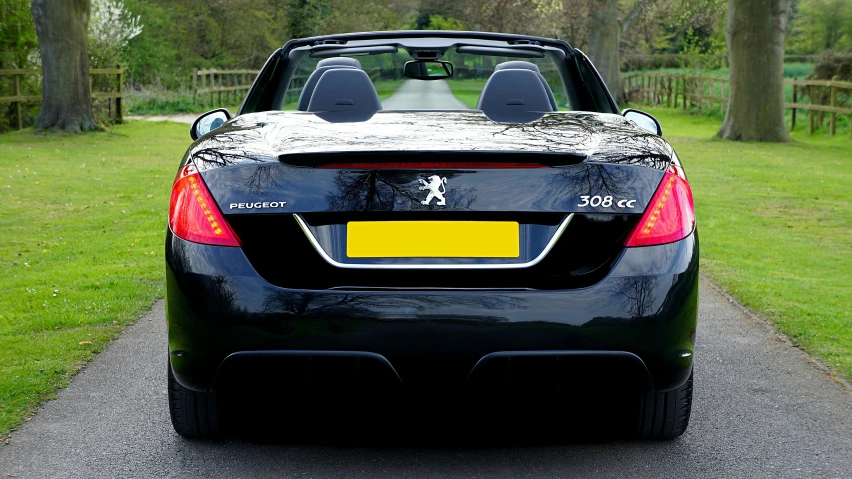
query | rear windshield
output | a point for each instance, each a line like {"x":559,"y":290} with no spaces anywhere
{"x":459,"y":92}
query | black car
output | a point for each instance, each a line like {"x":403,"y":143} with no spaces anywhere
{"x":331,"y":242}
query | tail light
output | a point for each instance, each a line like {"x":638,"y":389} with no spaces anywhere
{"x":193,"y":214}
{"x":431,"y":165}
{"x":670,"y":216}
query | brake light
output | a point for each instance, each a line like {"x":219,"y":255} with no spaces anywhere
{"x":670,"y":216}
{"x":431,"y":165}
{"x":194,"y":216}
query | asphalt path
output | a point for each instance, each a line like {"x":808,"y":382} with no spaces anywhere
{"x":423,"y":95}
{"x":761,"y":409}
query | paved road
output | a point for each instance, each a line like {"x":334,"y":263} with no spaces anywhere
{"x":423,"y":95}
{"x":761,"y":410}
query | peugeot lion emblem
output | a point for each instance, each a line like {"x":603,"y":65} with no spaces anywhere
{"x":437,"y":188}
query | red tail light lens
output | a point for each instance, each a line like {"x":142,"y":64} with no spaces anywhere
{"x":431,"y":165}
{"x":193,"y":214}
{"x":670,"y":216}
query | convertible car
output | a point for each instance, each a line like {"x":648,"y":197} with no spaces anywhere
{"x":431,"y":214}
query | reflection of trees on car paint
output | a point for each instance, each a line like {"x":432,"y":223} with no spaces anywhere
{"x":372,"y":305}
{"x":636,"y":294}
{"x":379,"y":190}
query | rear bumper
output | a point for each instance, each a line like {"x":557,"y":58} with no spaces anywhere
{"x":638,"y":322}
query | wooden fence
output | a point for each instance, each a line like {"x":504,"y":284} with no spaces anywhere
{"x":18,"y":97}
{"x":701,"y":92}
{"x":213,"y":83}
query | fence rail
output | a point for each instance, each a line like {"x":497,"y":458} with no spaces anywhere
{"x":212,"y":83}
{"x":698,"y":91}
{"x":17,"y":98}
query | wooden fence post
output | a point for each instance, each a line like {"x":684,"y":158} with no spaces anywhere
{"x":833,"y":122}
{"x":194,"y":85}
{"x":811,"y":111}
{"x":18,"y":104}
{"x":119,"y":116}
{"x":669,"y":101}
{"x":700,"y":92}
{"x":795,"y":99}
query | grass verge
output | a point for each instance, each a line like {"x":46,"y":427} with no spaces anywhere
{"x":776,"y":227}
{"x":467,"y":91}
{"x":83,"y":221}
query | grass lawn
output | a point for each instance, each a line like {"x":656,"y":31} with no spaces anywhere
{"x":467,"y":91}
{"x":386,"y":88}
{"x":83,"y":221}
{"x":776,"y":227}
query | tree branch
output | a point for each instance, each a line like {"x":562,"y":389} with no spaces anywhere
{"x":628,"y":20}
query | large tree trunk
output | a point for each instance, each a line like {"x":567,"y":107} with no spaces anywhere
{"x":604,"y":37}
{"x":755,"y":36}
{"x":61,"y":26}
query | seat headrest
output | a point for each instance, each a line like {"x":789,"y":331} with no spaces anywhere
{"x":308,"y":89}
{"x":514,"y":96}
{"x":339,"y":61}
{"x":517,"y":65}
{"x":345,"y":94}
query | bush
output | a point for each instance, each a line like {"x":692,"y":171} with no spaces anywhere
{"x":832,"y":64}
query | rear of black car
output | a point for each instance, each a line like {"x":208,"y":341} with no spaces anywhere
{"x":264,"y":286}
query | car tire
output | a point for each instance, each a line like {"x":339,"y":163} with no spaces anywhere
{"x":665,"y":415}
{"x":195,"y":415}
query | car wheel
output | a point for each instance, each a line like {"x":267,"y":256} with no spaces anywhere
{"x":195,"y":415}
{"x":665,"y":415}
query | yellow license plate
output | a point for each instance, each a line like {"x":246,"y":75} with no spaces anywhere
{"x":432,"y":239}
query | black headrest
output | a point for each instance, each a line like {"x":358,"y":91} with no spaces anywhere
{"x":514,"y":96}
{"x":339,"y":61}
{"x":322,"y":67}
{"x":345,"y":93}
{"x":519,"y":65}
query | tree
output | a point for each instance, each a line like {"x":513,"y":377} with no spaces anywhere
{"x":604,"y":39}
{"x":755,"y":37}
{"x":605,"y":30}
{"x":61,"y":27}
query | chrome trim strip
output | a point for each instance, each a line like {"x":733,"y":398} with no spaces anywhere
{"x":338,"y":264}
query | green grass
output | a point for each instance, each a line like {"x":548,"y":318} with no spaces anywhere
{"x":386,"y":88}
{"x":776,"y":227}
{"x":83,"y":221}
{"x":467,"y":91}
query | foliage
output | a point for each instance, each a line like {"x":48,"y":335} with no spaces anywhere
{"x":18,"y":49}
{"x":110,"y":29}
{"x":831,"y":65}
{"x":438,"y":22}
{"x":305,"y":17}
{"x":539,"y":17}
{"x":84,"y":218}
{"x":359,"y":16}
{"x":820,"y":25}
{"x":18,"y":41}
